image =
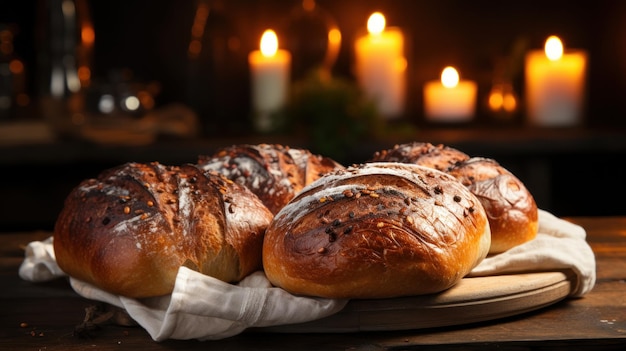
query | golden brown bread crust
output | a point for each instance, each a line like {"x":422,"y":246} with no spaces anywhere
{"x":129,"y":231}
{"x":275,"y":173}
{"x":510,"y":207}
{"x":439,"y":157}
{"x":376,"y":230}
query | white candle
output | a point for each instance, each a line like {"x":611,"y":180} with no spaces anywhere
{"x":451,"y":99}
{"x":380,"y":66}
{"x":555,"y":85}
{"x":270,"y":78}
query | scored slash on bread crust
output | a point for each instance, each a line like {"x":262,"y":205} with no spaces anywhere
{"x":275,"y":173}
{"x":510,"y":207}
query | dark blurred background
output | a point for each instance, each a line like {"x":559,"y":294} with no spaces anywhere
{"x":201,"y":101}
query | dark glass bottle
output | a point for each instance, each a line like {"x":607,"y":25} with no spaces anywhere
{"x":216,"y":71}
{"x":313,"y":38}
{"x":65,"y":44}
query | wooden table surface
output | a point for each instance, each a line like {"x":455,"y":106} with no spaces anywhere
{"x":43,"y":316}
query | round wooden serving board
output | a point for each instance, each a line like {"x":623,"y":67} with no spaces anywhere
{"x":471,"y":300}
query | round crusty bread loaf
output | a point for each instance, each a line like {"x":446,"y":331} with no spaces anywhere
{"x":438,"y":156}
{"x":376,"y":230}
{"x":131,"y":229}
{"x":275,"y":173}
{"x":510,"y":207}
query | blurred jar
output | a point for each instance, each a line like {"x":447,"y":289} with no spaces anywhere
{"x":503,"y":101}
{"x":117,"y":110}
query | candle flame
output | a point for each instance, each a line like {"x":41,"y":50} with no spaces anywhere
{"x":376,"y":23}
{"x":499,"y":99}
{"x":554,"y":48}
{"x":269,"y":43}
{"x":334,"y":36}
{"x":449,"y":77}
{"x":87,"y":35}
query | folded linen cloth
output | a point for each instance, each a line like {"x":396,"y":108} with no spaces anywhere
{"x":204,"y":308}
{"x":40,"y":263}
{"x":559,"y":245}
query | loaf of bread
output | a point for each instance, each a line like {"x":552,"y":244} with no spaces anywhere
{"x":439,"y":156}
{"x":510,"y":207}
{"x":129,"y":230}
{"x":377,"y":230}
{"x":275,"y":173}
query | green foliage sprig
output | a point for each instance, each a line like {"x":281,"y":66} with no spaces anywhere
{"x":332,"y":112}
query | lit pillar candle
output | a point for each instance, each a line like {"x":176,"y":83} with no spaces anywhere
{"x":380,"y":66}
{"x":555,"y":85}
{"x":270,"y":78}
{"x":451,"y":99}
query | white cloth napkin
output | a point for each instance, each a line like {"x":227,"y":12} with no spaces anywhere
{"x":39,"y":263}
{"x":559,"y":245}
{"x":204,"y":308}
